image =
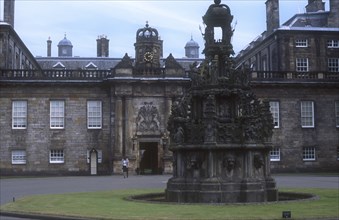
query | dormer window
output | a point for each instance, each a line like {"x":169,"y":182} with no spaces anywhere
{"x":59,"y":65}
{"x":91,"y":66}
{"x":301,"y":43}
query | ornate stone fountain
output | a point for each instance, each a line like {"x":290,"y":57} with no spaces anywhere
{"x":220,"y":132}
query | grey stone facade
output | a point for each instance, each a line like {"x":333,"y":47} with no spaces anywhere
{"x":136,"y":102}
{"x":291,"y":138}
{"x":296,"y":62}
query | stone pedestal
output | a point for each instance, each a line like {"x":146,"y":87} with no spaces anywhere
{"x":231,"y":174}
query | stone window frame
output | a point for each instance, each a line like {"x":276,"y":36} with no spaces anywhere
{"x":19,"y":157}
{"x":19,"y":114}
{"x":57,"y":114}
{"x":333,"y":43}
{"x":301,"y":42}
{"x":309,"y":153}
{"x":94,"y":114}
{"x":56,"y":156}
{"x":333,"y":64}
{"x":275,"y":110}
{"x":275,"y":154}
{"x":302,"y":64}
{"x":336,"y":112}
{"x":307,"y":114}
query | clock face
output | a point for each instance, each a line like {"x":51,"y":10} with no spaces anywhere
{"x":148,"y":56}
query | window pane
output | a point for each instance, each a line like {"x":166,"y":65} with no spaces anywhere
{"x":333,"y":43}
{"x":275,"y":154}
{"x":333,"y":64}
{"x":57,"y":113}
{"x":19,"y":114}
{"x":94,"y":113}
{"x":19,"y":157}
{"x":309,"y":153}
{"x":302,"y":64}
{"x":301,"y":43}
{"x":307,"y":114}
{"x":56,"y":156}
{"x":274,"y":107}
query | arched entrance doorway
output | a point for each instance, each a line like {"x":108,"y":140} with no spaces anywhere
{"x":149,"y":158}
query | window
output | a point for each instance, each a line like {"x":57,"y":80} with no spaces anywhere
{"x":308,"y":153}
{"x":94,"y":119}
{"x":57,"y":111}
{"x":333,"y":43}
{"x":18,"y":157}
{"x":301,"y":43}
{"x":56,"y":156}
{"x":275,"y":154}
{"x":274,"y":107}
{"x":99,"y":156}
{"x":333,"y":64}
{"x":337,"y":113}
{"x":302,"y":64}
{"x":19,"y":114}
{"x":307,"y":114}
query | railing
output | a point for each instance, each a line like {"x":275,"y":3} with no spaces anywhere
{"x":256,"y":76}
{"x":54,"y":74}
{"x":296,"y":76}
{"x":149,"y":72}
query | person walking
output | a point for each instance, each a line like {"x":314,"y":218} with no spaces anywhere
{"x":125,"y":163}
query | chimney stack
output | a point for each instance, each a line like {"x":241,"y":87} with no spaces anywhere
{"x":272,"y":15}
{"x":9,"y":12}
{"x":333,"y":18}
{"x":315,"y":6}
{"x":102,"y":46}
{"x":49,"y":47}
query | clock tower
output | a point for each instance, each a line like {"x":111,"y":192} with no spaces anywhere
{"x":148,"y":48}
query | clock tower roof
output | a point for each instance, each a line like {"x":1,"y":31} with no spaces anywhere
{"x":147,"y":33}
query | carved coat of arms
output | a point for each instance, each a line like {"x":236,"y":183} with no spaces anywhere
{"x":148,"y":119}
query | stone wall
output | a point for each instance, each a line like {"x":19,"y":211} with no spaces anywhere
{"x":291,"y":138}
{"x":38,"y":138}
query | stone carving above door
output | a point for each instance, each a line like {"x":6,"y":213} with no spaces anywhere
{"x":148,"y":119}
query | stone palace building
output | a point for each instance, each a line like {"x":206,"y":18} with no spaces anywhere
{"x":70,"y":115}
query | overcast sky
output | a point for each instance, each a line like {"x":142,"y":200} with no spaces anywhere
{"x":176,"y":21}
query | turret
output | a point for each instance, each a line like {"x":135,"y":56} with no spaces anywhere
{"x":65,"y":48}
{"x":148,"y":47}
{"x":192,"y":49}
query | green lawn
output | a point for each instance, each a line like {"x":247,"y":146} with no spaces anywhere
{"x":111,"y":205}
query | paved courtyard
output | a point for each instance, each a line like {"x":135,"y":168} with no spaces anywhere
{"x":18,"y":187}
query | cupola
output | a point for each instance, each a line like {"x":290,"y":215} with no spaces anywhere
{"x":148,"y":47}
{"x":192,"y":49}
{"x":65,"y":48}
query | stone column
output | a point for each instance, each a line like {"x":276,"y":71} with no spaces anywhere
{"x":129,"y":127}
{"x":118,"y":128}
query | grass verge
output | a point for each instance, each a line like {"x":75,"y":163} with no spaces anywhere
{"x":111,"y":205}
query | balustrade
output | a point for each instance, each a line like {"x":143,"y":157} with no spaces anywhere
{"x":63,"y":74}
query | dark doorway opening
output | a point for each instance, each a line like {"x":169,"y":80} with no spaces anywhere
{"x":149,"y":158}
